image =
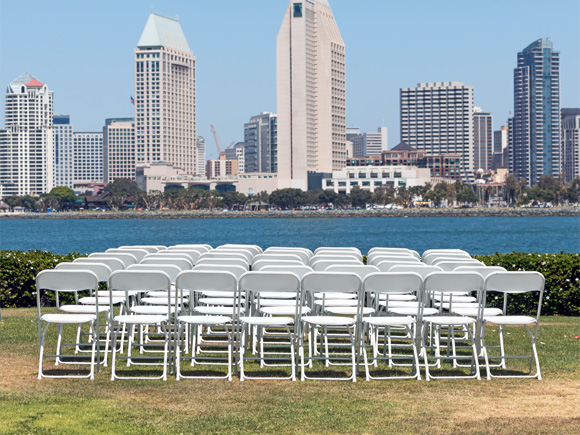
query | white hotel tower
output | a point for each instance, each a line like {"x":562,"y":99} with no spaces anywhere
{"x":26,"y":143}
{"x":165,"y":102}
{"x":311,"y":96}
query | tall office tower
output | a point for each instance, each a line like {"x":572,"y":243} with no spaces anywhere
{"x":200,"y":155}
{"x":370,"y":144}
{"x":261,"y":138}
{"x":63,"y":151}
{"x":536,"y":148}
{"x":238,"y":152}
{"x":26,"y":143}
{"x":438,"y":118}
{"x":510,"y":148}
{"x":311,"y":88}
{"x":165,"y":105}
{"x":78,"y":156}
{"x":88,"y":156}
{"x":119,"y":149}
{"x":571,"y":143}
{"x":500,"y":145}
{"x":482,"y":139}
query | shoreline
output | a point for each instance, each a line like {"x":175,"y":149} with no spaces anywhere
{"x":301,"y":214}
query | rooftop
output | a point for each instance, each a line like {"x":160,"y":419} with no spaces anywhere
{"x":161,"y":31}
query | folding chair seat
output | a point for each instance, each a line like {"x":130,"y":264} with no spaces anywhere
{"x":68,"y":281}
{"x":450,"y":283}
{"x":328,"y":283}
{"x":509,"y":283}
{"x":252,"y":285}
{"x":400,"y":328}
{"x":142,"y":281}
{"x":200,"y":281}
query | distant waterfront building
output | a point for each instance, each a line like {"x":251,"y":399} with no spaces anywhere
{"x":221,"y":167}
{"x":261,"y":143}
{"x":118,"y":149}
{"x":571,"y":143}
{"x":165,"y":102}
{"x":27,"y":141}
{"x":200,"y":155}
{"x":78,"y":156}
{"x":370,"y":144}
{"x":371,"y":178}
{"x":438,"y":118}
{"x":482,"y":139}
{"x":500,"y":146}
{"x":536,"y":140}
{"x":238,"y":152}
{"x":311,"y":94}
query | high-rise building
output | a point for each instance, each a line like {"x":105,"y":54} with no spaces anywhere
{"x":370,"y":144}
{"x":26,"y":143}
{"x":482,"y":139}
{"x":500,"y":146}
{"x":571,"y":143}
{"x":78,"y":156}
{"x":238,"y":152}
{"x":261,"y":138}
{"x":536,"y":147}
{"x":119,"y":149}
{"x":200,"y":155}
{"x":311,"y":91}
{"x":438,"y":118}
{"x":165,"y":102}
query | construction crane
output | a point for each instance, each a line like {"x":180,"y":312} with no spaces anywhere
{"x":217,"y":143}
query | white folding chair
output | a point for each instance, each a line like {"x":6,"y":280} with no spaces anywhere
{"x":390,"y":251}
{"x":510,"y":283}
{"x":182,"y":263}
{"x":296,"y":257}
{"x":224,"y":261}
{"x":67,"y":281}
{"x":321,"y":265}
{"x":260,"y":264}
{"x":113,"y":263}
{"x":126,"y":258}
{"x":138,"y":253}
{"x":379,"y":258}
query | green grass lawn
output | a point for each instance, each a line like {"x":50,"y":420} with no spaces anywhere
{"x":208,"y":406}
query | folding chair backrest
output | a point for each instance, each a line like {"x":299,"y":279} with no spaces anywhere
{"x":336,"y":248}
{"x":197,"y":280}
{"x":140,"y":280}
{"x":341,"y":257}
{"x":393,"y":251}
{"x":102,"y":271}
{"x":170,"y":269}
{"x":398,"y":258}
{"x":331,"y":282}
{"x":170,"y":254}
{"x":419,"y":268}
{"x":453,"y":282}
{"x":191,"y":254}
{"x":223,"y":254}
{"x":338,"y":253}
{"x":126,"y":258}
{"x":302,"y":255}
{"x":299,"y":270}
{"x":482,"y":270}
{"x":321,"y":265}
{"x":198,"y":248}
{"x":289,"y":249}
{"x":260,"y":264}
{"x":389,"y":256}
{"x":182,"y":263}
{"x":286,"y":257}
{"x":262,"y":281}
{"x":515,"y":282}
{"x":113,"y":263}
{"x":255,"y":249}
{"x":138,"y":253}
{"x":232,"y":268}
{"x":224,"y":261}
{"x":244,"y":253}
{"x":66,"y":280}
{"x":361,"y":270}
{"x":443,"y":251}
{"x":432,"y":258}
{"x":393,"y":282}
{"x":452,"y":265}
{"x":149,"y":248}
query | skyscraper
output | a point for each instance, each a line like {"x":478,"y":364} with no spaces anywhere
{"x":536,"y":136}
{"x":482,"y":139}
{"x":438,"y":118}
{"x":26,"y":143}
{"x":369,"y":144}
{"x":165,"y":103}
{"x":311,"y":90}
{"x":571,"y":143}
{"x":261,"y":139}
{"x":119,"y":149}
{"x":500,"y":157}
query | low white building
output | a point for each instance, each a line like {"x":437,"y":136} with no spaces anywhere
{"x":373,"y":177}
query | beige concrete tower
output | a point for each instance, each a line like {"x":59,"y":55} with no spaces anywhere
{"x":311,"y":87}
{"x":165,"y":104}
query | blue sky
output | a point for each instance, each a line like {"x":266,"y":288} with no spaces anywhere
{"x":83,"y":50}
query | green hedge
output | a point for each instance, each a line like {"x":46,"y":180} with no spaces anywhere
{"x":562,"y":272}
{"x":18,"y":270}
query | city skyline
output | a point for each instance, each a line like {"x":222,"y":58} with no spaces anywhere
{"x":236,"y":56}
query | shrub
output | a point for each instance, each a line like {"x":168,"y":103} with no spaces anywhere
{"x":562,"y":273}
{"x":18,"y":270}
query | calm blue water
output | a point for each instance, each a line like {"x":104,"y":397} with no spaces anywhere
{"x":478,"y":235}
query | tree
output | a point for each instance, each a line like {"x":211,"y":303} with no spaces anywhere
{"x":512,"y":189}
{"x":123,"y":186}
{"x":287,"y":198}
{"x":384,"y":195}
{"x":467,"y":195}
{"x":234,"y":200}
{"x":404,"y":196}
{"x":436,"y":196}
{"x":360,"y":197}
{"x":312,"y":197}
{"x":60,"y":197}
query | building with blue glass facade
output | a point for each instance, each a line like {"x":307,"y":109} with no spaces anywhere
{"x":536,"y":147}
